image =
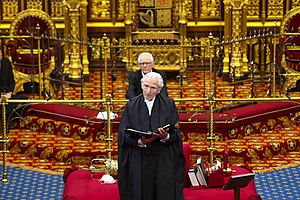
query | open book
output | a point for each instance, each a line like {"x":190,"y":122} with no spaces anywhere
{"x":139,"y":133}
{"x":169,"y":127}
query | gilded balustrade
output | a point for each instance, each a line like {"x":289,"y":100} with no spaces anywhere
{"x":108,"y":101}
{"x":4,"y":140}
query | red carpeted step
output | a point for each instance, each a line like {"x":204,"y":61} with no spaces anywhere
{"x":64,"y":129}
{"x":252,"y":148}
{"x":56,"y":148}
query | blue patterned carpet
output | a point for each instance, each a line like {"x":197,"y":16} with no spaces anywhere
{"x":31,"y":185}
{"x":279,"y":185}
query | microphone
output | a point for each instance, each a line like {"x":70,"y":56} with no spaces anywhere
{"x":220,"y":72}
{"x":48,"y":96}
{"x":113,"y":76}
{"x":287,"y":95}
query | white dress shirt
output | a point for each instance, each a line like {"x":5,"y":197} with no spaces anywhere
{"x":149,"y":104}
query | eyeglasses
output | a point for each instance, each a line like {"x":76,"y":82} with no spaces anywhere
{"x":145,"y":63}
{"x":147,"y":87}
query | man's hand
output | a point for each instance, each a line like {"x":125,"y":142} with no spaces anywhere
{"x":8,"y":95}
{"x":162,"y":133}
{"x":147,"y":141}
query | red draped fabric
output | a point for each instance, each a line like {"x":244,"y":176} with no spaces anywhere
{"x":83,"y":185}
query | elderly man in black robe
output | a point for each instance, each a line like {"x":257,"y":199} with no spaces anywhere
{"x":150,"y":168}
{"x":146,"y":63}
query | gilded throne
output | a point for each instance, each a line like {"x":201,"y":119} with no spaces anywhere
{"x":154,"y":26}
{"x":31,"y":49}
{"x":290,"y":39}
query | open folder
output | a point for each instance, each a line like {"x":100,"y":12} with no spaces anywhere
{"x":168,"y":127}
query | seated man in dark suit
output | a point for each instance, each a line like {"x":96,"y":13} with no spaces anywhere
{"x":146,"y":62}
{"x":7,"y":86}
{"x":7,"y":81}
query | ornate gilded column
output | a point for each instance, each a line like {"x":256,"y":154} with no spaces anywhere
{"x":244,"y":31}
{"x":129,"y":28}
{"x":227,"y":36}
{"x":182,"y":33}
{"x":238,"y":25}
{"x":84,"y":36}
{"x":67,"y":44}
{"x":74,"y":31}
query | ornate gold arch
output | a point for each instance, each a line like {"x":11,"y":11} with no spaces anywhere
{"x":22,"y":77}
{"x":292,"y":70}
{"x":32,"y":13}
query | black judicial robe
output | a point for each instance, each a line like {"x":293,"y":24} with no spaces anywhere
{"x":171,"y":163}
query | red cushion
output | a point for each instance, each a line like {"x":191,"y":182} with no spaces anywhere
{"x":186,"y":152}
{"x":293,"y":55}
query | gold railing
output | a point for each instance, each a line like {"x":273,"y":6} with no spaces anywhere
{"x":109,"y":102}
{"x":191,"y":52}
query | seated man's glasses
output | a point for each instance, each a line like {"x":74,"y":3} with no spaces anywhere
{"x":145,"y":63}
{"x":147,"y":87}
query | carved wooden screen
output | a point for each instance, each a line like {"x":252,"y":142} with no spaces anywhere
{"x":155,"y":29}
{"x":155,"y":14}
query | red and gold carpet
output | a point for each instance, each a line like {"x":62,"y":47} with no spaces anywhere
{"x":49,"y":142}
{"x":263,"y":141}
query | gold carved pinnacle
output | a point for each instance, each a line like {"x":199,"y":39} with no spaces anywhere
{"x":128,"y":20}
{"x":84,"y":3}
{"x":73,"y":5}
{"x":237,"y":4}
{"x":182,"y":18}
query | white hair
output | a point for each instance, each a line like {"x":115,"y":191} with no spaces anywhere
{"x":154,"y":76}
{"x":145,"y":54}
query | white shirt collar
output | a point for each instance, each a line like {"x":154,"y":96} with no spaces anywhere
{"x":149,"y":104}
{"x":143,"y":73}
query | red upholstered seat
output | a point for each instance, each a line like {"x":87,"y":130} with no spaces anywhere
{"x":67,"y":113}
{"x":293,"y":56}
{"x":189,"y":122}
{"x":240,"y":116}
{"x":80,"y":186}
